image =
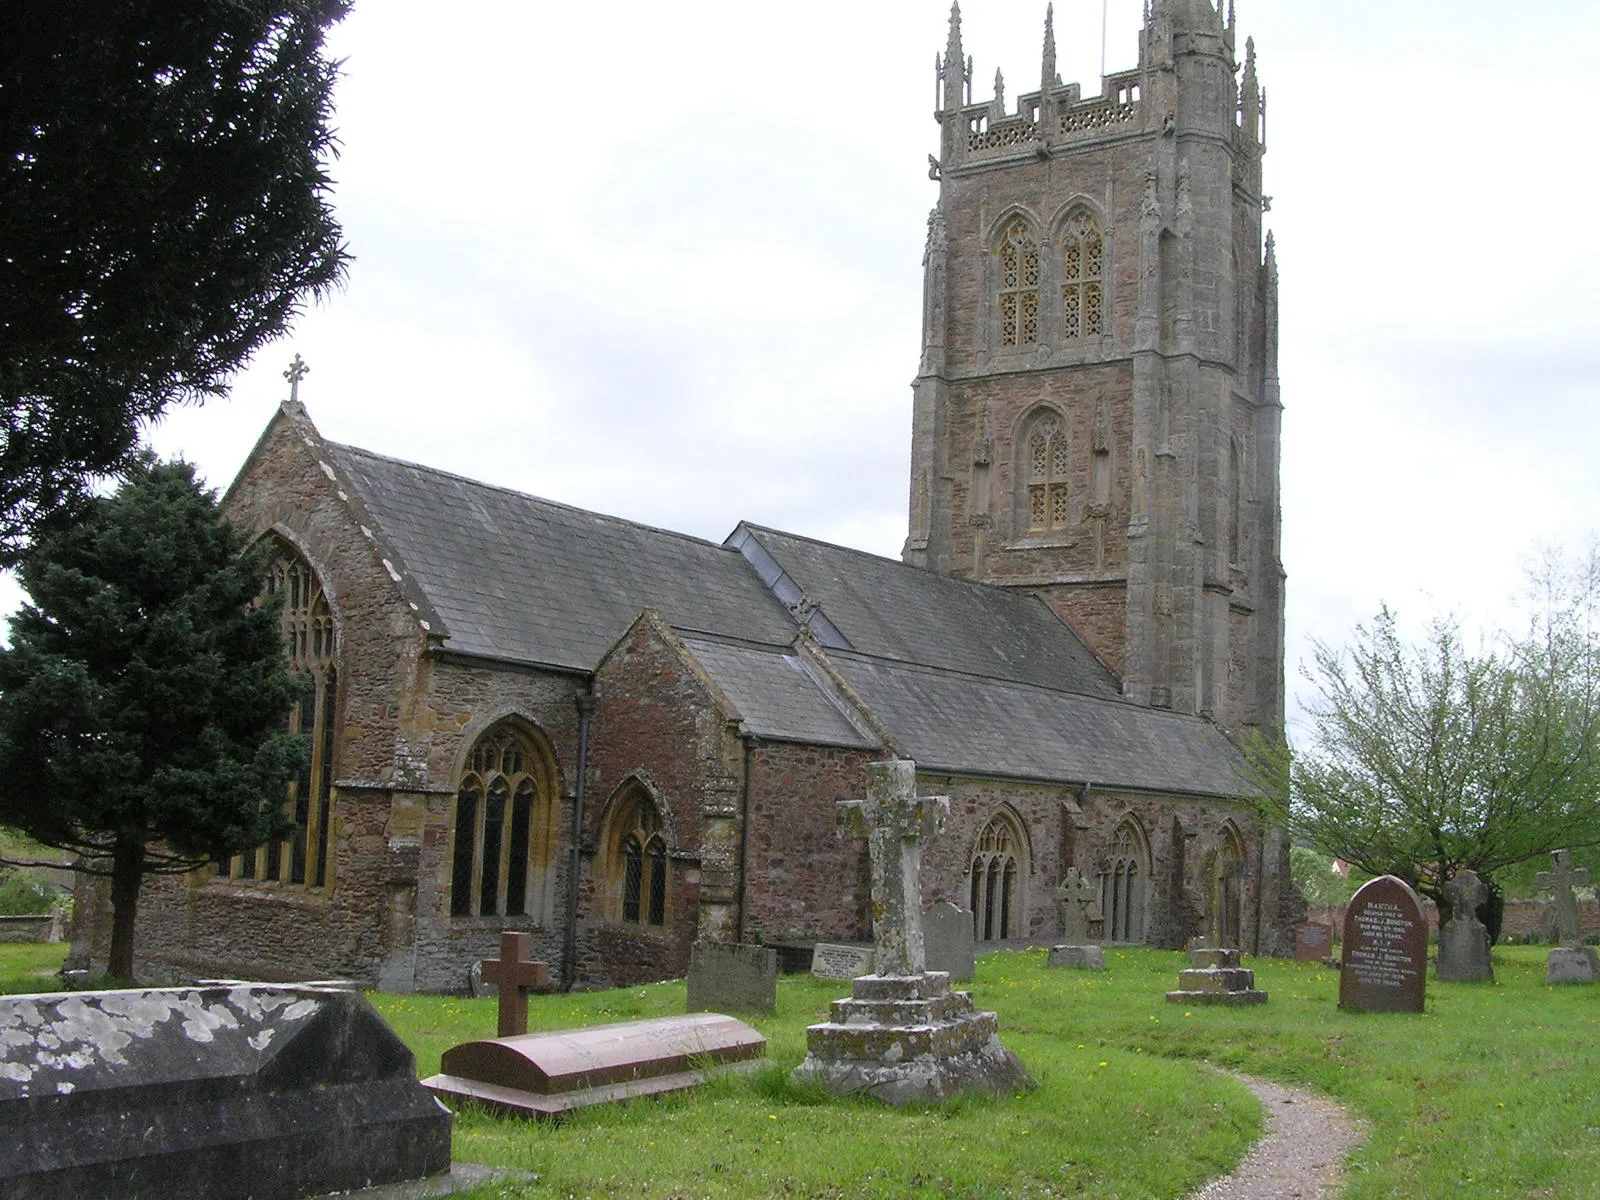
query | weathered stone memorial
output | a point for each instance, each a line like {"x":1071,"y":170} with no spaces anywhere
{"x":263,"y":1091}
{"x":1079,"y":905}
{"x":1383,"y":964}
{"x":515,"y":975}
{"x":547,"y":1075}
{"x":1571,"y":961}
{"x":1215,"y":976}
{"x":1313,"y":941}
{"x":1463,"y":939}
{"x":903,"y":1036}
{"x":732,"y":977}
{"x":947,"y":941}
{"x":840,"y":961}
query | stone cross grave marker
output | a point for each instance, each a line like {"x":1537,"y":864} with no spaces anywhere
{"x":1079,"y":904}
{"x":894,"y":820}
{"x":1464,"y":941}
{"x":517,"y":976}
{"x":1560,"y":881}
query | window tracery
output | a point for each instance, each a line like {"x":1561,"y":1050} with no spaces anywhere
{"x":1125,"y":883}
{"x":1082,"y":278}
{"x":996,"y":881}
{"x":1019,"y":284}
{"x":500,"y":810}
{"x":1047,"y":463}
{"x":638,"y":863}
{"x":306,"y":623}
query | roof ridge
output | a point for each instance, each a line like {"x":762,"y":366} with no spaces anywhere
{"x":1120,"y":701}
{"x":979,"y":586}
{"x":529,"y":496}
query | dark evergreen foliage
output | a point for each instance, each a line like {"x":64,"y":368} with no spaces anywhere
{"x":145,"y":696}
{"x":164,"y":212}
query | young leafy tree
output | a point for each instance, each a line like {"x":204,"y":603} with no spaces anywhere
{"x":1424,"y":759}
{"x":164,"y":212}
{"x":145,"y":696}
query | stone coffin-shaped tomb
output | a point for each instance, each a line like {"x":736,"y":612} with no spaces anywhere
{"x":261,"y":1091}
{"x":548,"y":1074}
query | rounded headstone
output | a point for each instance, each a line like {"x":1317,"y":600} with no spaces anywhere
{"x":1384,"y":962}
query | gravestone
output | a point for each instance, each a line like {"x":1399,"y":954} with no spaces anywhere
{"x":1078,"y":903}
{"x":903,"y":1036}
{"x":1313,"y":941}
{"x":1215,"y":976}
{"x":248,"y":1090}
{"x":547,"y":1075}
{"x":1384,"y":959}
{"x":1571,"y":961}
{"x":1464,"y":940}
{"x":515,"y":975}
{"x":947,"y":940}
{"x":731,"y":977}
{"x":840,"y":961}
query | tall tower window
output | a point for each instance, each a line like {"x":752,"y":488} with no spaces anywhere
{"x":1019,"y":285}
{"x":1082,"y":278}
{"x":1046,"y":465}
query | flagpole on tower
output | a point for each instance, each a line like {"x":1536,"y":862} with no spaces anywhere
{"x":1103,"y":38}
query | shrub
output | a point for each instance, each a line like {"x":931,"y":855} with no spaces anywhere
{"x":25,"y":895}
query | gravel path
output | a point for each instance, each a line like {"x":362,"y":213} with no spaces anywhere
{"x":1301,"y":1154}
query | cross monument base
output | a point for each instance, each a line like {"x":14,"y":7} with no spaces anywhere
{"x":908,"y":1039}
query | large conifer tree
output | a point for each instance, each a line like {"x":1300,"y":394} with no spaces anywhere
{"x":164,"y":212}
{"x":145,"y":696}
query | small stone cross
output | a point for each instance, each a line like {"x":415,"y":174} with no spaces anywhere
{"x":517,"y":976}
{"x":1079,"y":904}
{"x":894,"y":820}
{"x":296,"y":372}
{"x":1560,"y":882}
{"x":1466,"y":892}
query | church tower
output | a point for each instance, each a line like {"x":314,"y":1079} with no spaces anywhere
{"x":1096,"y":413}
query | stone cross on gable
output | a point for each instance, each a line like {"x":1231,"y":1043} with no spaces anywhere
{"x":1079,"y":904}
{"x":1466,"y":892}
{"x":517,"y":976}
{"x":1560,"y":881}
{"x":894,"y":820}
{"x":296,"y":372}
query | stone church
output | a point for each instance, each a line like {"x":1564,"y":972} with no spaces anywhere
{"x":525,"y":715}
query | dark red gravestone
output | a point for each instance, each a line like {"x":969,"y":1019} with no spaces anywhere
{"x":516,"y":977}
{"x":1384,"y":964}
{"x":1313,"y":941}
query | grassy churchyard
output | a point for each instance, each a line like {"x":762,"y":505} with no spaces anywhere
{"x":1493,"y":1092}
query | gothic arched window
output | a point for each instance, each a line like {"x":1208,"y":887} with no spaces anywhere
{"x":302,"y":859}
{"x":1018,"y":294}
{"x":997,"y":881}
{"x":1125,"y":884}
{"x":502,"y":840}
{"x":1044,"y":470}
{"x":1083,"y":259}
{"x":635,"y":862}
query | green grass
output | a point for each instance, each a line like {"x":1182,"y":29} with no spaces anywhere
{"x":31,"y":967}
{"x":1493,"y":1092}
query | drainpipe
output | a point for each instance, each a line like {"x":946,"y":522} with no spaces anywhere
{"x":1261,"y":882}
{"x":569,"y":950}
{"x":744,"y":831}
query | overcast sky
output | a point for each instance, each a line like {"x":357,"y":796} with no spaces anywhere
{"x":664,"y":261}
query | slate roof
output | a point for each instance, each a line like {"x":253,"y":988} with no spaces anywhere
{"x":527,"y":580}
{"x":775,"y":695}
{"x":968,"y":678}
{"x":968,"y":724}
{"x":890,"y":610}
